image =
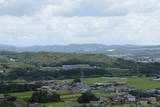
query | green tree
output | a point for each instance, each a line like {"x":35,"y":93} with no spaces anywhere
{"x":76,"y":80}
{"x":44,"y":97}
{"x":87,"y":97}
{"x":7,"y":104}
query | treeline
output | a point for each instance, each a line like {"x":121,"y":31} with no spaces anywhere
{"x":7,"y":104}
{"x":10,"y":88}
{"x":32,"y":66}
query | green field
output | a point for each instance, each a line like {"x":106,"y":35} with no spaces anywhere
{"x":65,"y":96}
{"x":139,"y":83}
{"x":69,"y":99}
{"x":22,"y":95}
{"x":61,"y":104}
{"x":68,"y":95}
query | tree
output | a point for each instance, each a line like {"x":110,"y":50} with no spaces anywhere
{"x":87,"y":97}
{"x":76,"y":80}
{"x":45,"y":97}
{"x":11,"y":98}
{"x":7,"y":104}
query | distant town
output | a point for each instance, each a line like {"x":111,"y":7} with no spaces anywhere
{"x":98,"y":94}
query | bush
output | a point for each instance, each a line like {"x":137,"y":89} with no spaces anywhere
{"x":76,"y":80}
{"x":6,"y":104}
{"x":45,"y":97}
{"x":87,"y":97}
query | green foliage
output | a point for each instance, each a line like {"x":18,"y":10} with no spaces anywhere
{"x":6,"y":104}
{"x":7,"y":88}
{"x":87,"y":97}
{"x":141,"y":94}
{"x":47,"y":65}
{"x":76,"y":80}
{"x":139,"y":83}
{"x":45,"y":97}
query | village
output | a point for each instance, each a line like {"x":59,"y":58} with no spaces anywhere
{"x":113,"y":93}
{"x":122,"y":94}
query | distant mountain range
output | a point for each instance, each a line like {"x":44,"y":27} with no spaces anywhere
{"x":114,"y":50}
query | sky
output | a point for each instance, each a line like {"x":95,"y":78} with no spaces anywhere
{"x":61,"y":22}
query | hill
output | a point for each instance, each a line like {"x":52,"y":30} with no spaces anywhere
{"x":132,"y":51}
{"x":48,"y":65}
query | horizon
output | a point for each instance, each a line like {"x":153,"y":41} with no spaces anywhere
{"x":64,"y":22}
{"x":76,"y":44}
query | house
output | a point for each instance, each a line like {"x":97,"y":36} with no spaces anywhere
{"x":152,"y":100}
{"x":62,"y":85}
{"x":129,"y":99}
{"x":143,"y":101}
{"x":94,"y":103}
{"x":111,"y":90}
{"x":153,"y":91}
{"x":117,"y":100}
{"x":102,"y":84}
{"x":46,"y":88}
{"x":84,"y":90}
{"x":126,"y":89}
{"x":150,"y":91}
{"x":101,"y":102}
{"x":80,"y":88}
{"x":104,"y":101}
{"x":2,"y":97}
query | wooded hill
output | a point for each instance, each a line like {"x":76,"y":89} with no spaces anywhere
{"x":48,"y":65}
{"x":113,"y":50}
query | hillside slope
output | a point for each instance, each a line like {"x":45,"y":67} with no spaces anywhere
{"x":48,"y":65}
{"x":115,"y":50}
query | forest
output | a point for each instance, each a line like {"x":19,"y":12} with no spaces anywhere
{"x":50,"y":65}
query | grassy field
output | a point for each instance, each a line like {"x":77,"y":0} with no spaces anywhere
{"x":65,"y":96}
{"x":139,"y":83}
{"x":23,"y":95}
{"x":70,"y":99}
{"x":61,"y":104}
{"x":68,"y":95}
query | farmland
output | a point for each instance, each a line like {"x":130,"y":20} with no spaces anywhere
{"x":69,"y":98}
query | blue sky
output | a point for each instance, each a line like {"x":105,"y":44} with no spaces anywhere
{"x":50,"y":22}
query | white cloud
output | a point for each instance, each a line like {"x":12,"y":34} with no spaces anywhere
{"x":69,"y":8}
{"x":101,"y":8}
{"x":25,"y":37}
{"x":28,"y":22}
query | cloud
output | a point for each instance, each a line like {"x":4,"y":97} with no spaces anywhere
{"x":98,"y":8}
{"x":70,"y":8}
{"x":47,"y":22}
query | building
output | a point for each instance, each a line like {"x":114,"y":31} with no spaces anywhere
{"x":2,"y":97}
{"x":46,"y":88}
{"x":129,"y":99}
{"x":152,"y":100}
